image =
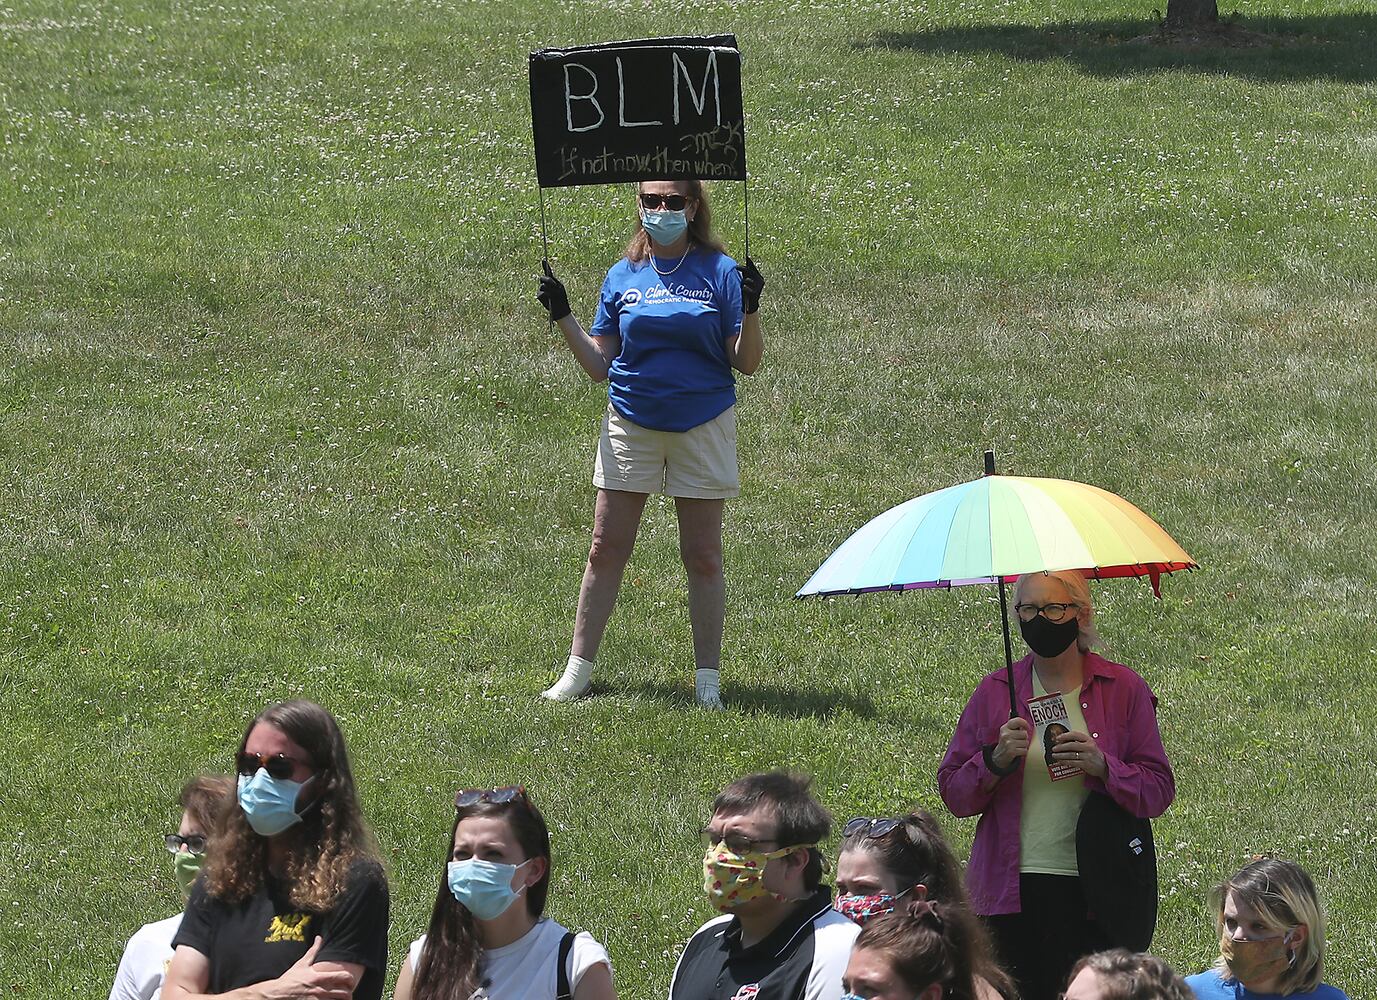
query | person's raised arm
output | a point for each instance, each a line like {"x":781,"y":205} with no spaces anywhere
{"x":188,"y":978}
{"x":594,"y":354}
{"x":747,"y":348}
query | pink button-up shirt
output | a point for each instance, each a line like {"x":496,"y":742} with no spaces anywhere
{"x":1121,"y":713}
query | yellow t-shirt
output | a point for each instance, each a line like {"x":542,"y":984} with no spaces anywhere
{"x":1047,"y":830}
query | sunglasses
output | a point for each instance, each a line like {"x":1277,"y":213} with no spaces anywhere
{"x":472,"y":796}
{"x":673,"y":202}
{"x":195,"y":844}
{"x":278,"y":765}
{"x":872,"y":827}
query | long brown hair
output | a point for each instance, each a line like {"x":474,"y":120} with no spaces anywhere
{"x":917,"y":851}
{"x":924,"y":946}
{"x":699,"y":228}
{"x":331,"y":837}
{"x":451,"y":963}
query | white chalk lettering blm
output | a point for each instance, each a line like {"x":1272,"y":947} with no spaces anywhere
{"x":661,"y":108}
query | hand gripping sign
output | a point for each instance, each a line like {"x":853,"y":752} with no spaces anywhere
{"x":654,"y":109}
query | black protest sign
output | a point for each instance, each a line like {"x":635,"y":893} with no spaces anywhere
{"x":656,"y":109}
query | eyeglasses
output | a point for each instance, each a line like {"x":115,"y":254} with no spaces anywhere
{"x":734,"y":842}
{"x":472,"y":796}
{"x":872,"y":827}
{"x":278,"y":765}
{"x":175,"y":842}
{"x":673,"y":202}
{"x":1052,"y":612}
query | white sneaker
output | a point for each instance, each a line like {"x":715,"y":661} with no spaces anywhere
{"x":706,"y":690}
{"x":578,"y":676}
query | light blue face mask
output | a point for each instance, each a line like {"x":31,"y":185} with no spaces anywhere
{"x":484,"y":888}
{"x":269,"y":803}
{"x":664,"y":227}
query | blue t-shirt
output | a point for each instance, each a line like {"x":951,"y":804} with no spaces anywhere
{"x":1210,"y":985}
{"x":672,"y":373}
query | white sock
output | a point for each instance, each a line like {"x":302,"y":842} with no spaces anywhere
{"x":706,"y":683}
{"x":578,"y":675}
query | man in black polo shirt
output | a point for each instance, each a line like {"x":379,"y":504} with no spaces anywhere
{"x":780,"y":939}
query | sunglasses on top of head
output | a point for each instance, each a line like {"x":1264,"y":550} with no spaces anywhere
{"x":873,"y":827}
{"x":278,"y":765}
{"x":472,"y":796}
{"x":654,"y":202}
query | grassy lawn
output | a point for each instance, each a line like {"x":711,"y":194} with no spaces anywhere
{"x":279,"y":416}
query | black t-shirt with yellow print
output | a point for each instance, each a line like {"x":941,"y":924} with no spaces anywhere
{"x":262,"y":937}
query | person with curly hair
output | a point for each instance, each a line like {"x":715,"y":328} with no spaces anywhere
{"x":292,"y":901}
{"x":1120,"y":974}
{"x":1270,"y":923}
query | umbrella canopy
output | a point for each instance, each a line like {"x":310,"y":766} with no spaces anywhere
{"x":992,"y":530}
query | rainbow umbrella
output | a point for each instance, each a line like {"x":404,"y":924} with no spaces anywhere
{"x":992,"y":530}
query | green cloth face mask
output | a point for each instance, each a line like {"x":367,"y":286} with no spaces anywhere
{"x":186,"y":866}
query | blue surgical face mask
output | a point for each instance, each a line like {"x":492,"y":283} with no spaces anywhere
{"x":484,"y":888}
{"x":664,"y":227}
{"x":269,"y":803}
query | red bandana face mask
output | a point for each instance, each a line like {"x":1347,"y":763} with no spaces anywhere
{"x":863,"y":909}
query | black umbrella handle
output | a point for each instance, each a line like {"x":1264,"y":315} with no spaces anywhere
{"x":1008,"y":650}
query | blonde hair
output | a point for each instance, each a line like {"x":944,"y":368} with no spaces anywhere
{"x":1078,"y":587}
{"x":699,"y":228}
{"x":1282,"y":894}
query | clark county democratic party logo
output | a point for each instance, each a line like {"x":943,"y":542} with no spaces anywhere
{"x":630,"y":297}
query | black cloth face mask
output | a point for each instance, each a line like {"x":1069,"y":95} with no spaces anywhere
{"x":1049,"y":639}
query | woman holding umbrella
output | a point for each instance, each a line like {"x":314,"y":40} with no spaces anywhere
{"x":1024,"y":872}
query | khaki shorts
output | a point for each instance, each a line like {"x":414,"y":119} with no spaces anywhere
{"x":699,"y":463}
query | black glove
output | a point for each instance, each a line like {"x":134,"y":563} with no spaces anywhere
{"x":752,"y":284}
{"x":552,"y":295}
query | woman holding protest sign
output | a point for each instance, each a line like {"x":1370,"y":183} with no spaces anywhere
{"x":675,"y":316}
{"x":1062,"y":863}
{"x":292,"y":901}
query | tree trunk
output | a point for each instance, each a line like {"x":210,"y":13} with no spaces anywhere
{"x":1186,"y":14}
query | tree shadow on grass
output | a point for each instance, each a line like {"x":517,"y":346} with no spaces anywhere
{"x":1338,"y":47}
{"x":767,"y":699}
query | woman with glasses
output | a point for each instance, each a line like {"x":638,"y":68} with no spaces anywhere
{"x":488,"y":937}
{"x":1270,"y":924}
{"x":141,"y":969}
{"x":675,"y":316}
{"x":918,"y":952}
{"x":292,"y":901}
{"x":1024,"y":871}
{"x":888,"y":863}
